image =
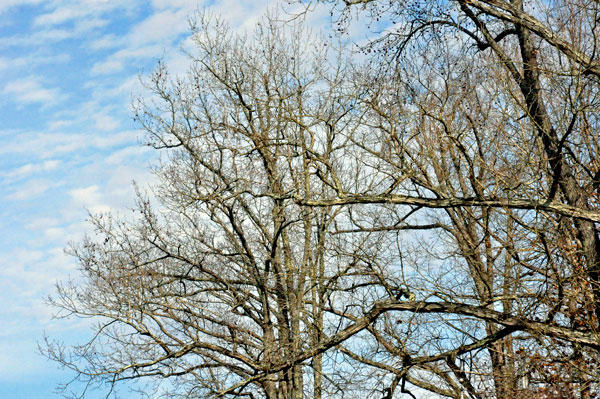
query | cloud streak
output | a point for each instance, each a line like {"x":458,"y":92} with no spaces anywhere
{"x":6,"y":5}
{"x":30,"y":90}
{"x":31,"y":168}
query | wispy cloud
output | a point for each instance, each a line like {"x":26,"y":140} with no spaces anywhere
{"x":32,"y":168}
{"x":66,"y":19}
{"x":30,"y":190}
{"x":120,"y":59}
{"x":157,"y":28}
{"x":37,"y":38}
{"x":125,"y":155}
{"x":107,"y":41}
{"x":51,"y":145}
{"x":59,"y":16}
{"x":105,"y":122}
{"x":181,"y":4}
{"x":42,"y":223}
{"x":5,"y":5}
{"x":147,"y":40}
{"x":90,"y":198}
{"x":29,"y":275}
{"x":65,"y":11}
{"x":37,"y":58}
{"x":31,"y":90}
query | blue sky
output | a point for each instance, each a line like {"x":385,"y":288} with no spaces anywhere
{"x":68,"y":71}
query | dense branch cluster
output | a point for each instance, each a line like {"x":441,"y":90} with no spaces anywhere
{"x":420,"y":219}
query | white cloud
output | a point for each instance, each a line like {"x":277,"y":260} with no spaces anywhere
{"x":149,"y":39}
{"x":85,"y":196}
{"x":30,"y":168}
{"x":15,"y":270}
{"x":54,"y":233}
{"x":59,"y":124}
{"x":106,"y":141}
{"x":159,"y":27}
{"x":119,"y":191}
{"x":86,"y":16}
{"x":51,"y":145}
{"x":68,"y":225}
{"x":7,"y":4}
{"x":105,"y":122}
{"x":30,"y":190}
{"x":29,"y":275}
{"x":108,"y":66}
{"x":75,"y":10}
{"x":105,"y":42}
{"x":89,"y":198}
{"x":44,"y":37}
{"x":9,"y":63}
{"x":88,"y":24}
{"x":122,"y":91}
{"x":117,"y":61}
{"x":37,"y":58}
{"x":30,"y":90}
{"x":126,"y":154}
{"x":243,"y":16}
{"x":18,"y":360}
{"x":59,"y":16}
{"x":42,"y":223}
{"x":184,"y":4}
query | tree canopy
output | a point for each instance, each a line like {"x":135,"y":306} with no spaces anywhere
{"x":420,"y":218}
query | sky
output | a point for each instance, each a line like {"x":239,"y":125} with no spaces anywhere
{"x":69,"y":70}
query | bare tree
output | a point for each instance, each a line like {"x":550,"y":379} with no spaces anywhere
{"x":326,"y":228}
{"x":212,"y":290}
{"x":482,"y":122}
